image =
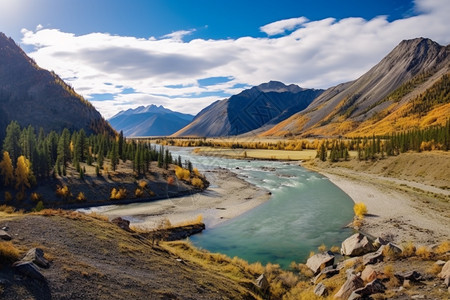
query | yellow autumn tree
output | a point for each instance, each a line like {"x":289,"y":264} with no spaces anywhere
{"x":6,"y":169}
{"x":23,"y":174}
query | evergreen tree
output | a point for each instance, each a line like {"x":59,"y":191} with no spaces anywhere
{"x":114,"y":156}
{"x":11,"y":142}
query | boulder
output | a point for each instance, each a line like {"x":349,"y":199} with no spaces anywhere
{"x":379,"y":242}
{"x":391,"y":248}
{"x":4,"y":235}
{"x":373,"y":258}
{"x":36,"y":256}
{"x":412,"y":276}
{"x":320,"y":261}
{"x":374,"y":287}
{"x":353,"y":283}
{"x":122,"y":223}
{"x":29,"y":270}
{"x":262,"y":282}
{"x":326,"y":273}
{"x":321,"y":290}
{"x":368,"y":274}
{"x":357,"y":245}
{"x":445,"y":273}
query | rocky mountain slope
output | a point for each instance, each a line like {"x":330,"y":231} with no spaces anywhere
{"x":37,"y":97}
{"x":151,"y":120}
{"x":408,"y":88}
{"x":263,"y":105}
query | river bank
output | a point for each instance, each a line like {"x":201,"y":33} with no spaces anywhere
{"x":399,"y":209}
{"x":227,"y":197}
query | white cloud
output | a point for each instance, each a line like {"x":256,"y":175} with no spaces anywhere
{"x":178,"y":35}
{"x":280,"y":27}
{"x":319,"y":54}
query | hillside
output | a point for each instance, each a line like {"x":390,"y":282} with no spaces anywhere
{"x":406,"y":89}
{"x":151,"y":120}
{"x":263,"y":105}
{"x":34,"y":96}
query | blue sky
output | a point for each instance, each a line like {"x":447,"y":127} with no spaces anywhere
{"x":187,"y":54}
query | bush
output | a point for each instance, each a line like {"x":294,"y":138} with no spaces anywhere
{"x":423,"y":252}
{"x":142,"y":184}
{"x":118,"y":194}
{"x":138,"y":193}
{"x":63,"y":191}
{"x":443,"y":247}
{"x":360,"y":209}
{"x":35,"y":197}
{"x":322,"y":248}
{"x":8,"y":253}
{"x":198,"y":183}
{"x":81,"y":197}
{"x":182,"y":173}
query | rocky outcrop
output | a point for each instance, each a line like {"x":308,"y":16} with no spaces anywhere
{"x":377,"y":256}
{"x":445,"y":273}
{"x":320,"y":261}
{"x":36,"y":256}
{"x":411,"y":276}
{"x":357,"y":245}
{"x":353,"y":283}
{"x":28,"y":269}
{"x":321,"y":290}
{"x":374,"y":287}
{"x":262,"y":283}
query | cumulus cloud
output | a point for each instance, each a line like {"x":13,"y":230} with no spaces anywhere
{"x":282,"y":26}
{"x":165,"y":71}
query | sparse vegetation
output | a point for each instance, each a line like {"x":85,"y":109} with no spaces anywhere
{"x":360,"y":210}
{"x":8,"y":253}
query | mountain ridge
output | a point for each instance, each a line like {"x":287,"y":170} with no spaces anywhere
{"x":349,"y":107}
{"x":151,"y":120}
{"x":34,"y":96}
{"x":268,"y":103}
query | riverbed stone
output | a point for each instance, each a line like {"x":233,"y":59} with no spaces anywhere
{"x":320,"y":261}
{"x":368,"y":274}
{"x":373,"y":287}
{"x":321,"y":290}
{"x":357,"y":245}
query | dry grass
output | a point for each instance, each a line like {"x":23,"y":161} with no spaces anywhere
{"x":8,"y":253}
{"x":409,"y":249}
{"x":335,"y":249}
{"x":322,"y":248}
{"x":197,"y":220}
{"x":7,"y":209}
{"x":442,"y":248}
{"x":423,"y":252}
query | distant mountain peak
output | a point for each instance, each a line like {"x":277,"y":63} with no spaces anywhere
{"x":279,"y":87}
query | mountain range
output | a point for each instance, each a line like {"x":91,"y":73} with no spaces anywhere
{"x":34,"y":96}
{"x":409,"y":88}
{"x":149,"y":120}
{"x":261,"y":106}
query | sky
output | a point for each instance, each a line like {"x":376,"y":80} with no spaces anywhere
{"x":185,"y":55}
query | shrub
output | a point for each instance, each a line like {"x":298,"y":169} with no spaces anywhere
{"x":8,"y":253}
{"x":408,"y":249}
{"x":335,"y":249}
{"x":423,"y":252}
{"x":138,"y":193}
{"x":81,"y":197}
{"x":8,"y":197}
{"x":182,"y":173}
{"x":62,"y":191}
{"x":142,"y":184}
{"x":443,"y":247}
{"x":360,"y":209}
{"x":197,"y":182}
{"x":118,"y":194}
{"x":35,"y":197}
{"x":7,"y":209}
{"x":39,"y":206}
{"x":322,"y":248}
{"x":196,"y":172}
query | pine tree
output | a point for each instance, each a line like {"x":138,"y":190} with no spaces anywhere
{"x":114,"y":156}
{"x":11,"y":142}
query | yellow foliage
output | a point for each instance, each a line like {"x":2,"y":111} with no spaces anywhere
{"x":182,"y":173}
{"x":35,"y":197}
{"x":423,"y":252}
{"x":118,"y":194}
{"x":81,"y":197}
{"x":360,"y":209}
{"x":23,"y":173}
{"x":196,"y":172}
{"x":322,"y":248}
{"x":197,"y":182}
{"x":335,"y":249}
{"x":408,"y":249}
{"x":6,"y":169}
{"x":138,"y":193}
{"x":142,"y":184}
{"x":443,"y":247}
{"x":62,"y":191}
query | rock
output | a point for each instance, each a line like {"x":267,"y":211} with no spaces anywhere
{"x":326,"y":273}
{"x":262,"y":282}
{"x":349,"y":273}
{"x":369,"y":274}
{"x":28,"y":269}
{"x":373,"y":258}
{"x":357,"y":245}
{"x":440,"y":263}
{"x":5,"y":228}
{"x":391,"y":248}
{"x":122,"y":223}
{"x":379,"y":242}
{"x":321,"y":290}
{"x":374,"y":287}
{"x":445,"y":272}
{"x":4,"y":235}
{"x":320,"y":260}
{"x":412,"y":276}
{"x":353,"y":283}
{"x":447,"y":281}
{"x":36,"y":256}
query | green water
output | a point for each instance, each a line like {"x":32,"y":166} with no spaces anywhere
{"x":305,"y":210}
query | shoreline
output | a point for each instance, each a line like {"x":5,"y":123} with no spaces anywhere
{"x":398,"y":213}
{"x":227,"y":197}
